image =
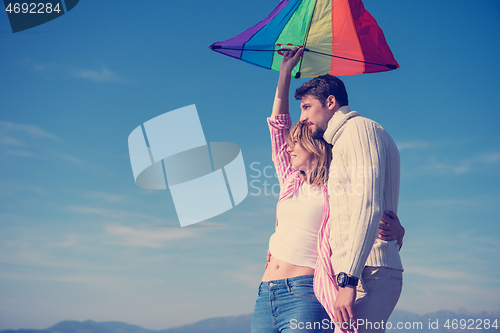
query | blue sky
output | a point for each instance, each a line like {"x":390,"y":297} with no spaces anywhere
{"x":79,"y":240}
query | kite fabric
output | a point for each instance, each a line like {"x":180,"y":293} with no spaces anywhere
{"x":339,"y":37}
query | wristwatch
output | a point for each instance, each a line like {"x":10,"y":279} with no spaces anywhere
{"x":345,"y":280}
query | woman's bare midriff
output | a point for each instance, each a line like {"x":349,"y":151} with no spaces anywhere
{"x":278,"y":270}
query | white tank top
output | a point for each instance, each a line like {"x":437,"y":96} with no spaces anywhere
{"x":295,"y":240}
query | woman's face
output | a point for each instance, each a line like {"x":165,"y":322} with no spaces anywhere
{"x":301,"y":158}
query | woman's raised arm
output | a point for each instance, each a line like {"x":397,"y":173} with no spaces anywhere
{"x":290,"y":60}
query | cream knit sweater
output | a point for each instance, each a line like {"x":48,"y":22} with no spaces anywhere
{"x":363,"y":183}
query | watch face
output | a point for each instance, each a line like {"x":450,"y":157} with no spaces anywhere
{"x":341,"y":279}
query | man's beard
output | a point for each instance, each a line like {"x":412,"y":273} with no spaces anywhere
{"x":317,"y":134}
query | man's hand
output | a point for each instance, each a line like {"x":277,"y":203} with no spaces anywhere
{"x":268,"y":257}
{"x":343,"y":308}
{"x":390,"y":228}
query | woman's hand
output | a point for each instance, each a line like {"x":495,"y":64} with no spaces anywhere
{"x":291,"y":58}
{"x":390,"y":228}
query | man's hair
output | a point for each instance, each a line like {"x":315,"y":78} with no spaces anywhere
{"x":323,"y":86}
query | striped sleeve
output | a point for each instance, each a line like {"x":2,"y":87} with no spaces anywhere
{"x":279,"y":126}
{"x":324,"y":284}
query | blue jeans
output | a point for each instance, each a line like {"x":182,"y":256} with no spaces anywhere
{"x":289,"y":305}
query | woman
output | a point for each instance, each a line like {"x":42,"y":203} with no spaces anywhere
{"x":286,"y":301}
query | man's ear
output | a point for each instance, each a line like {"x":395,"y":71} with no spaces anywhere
{"x":331,"y":102}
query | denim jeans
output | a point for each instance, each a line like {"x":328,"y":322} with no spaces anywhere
{"x":289,"y":305}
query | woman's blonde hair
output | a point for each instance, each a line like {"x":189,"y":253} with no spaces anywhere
{"x":322,"y":151}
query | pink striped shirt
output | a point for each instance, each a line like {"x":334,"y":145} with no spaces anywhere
{"x":290,"y":180}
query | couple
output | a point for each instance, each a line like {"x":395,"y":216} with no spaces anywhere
{"x":339,"y":173}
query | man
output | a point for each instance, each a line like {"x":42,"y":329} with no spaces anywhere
{"x":363,"y":183}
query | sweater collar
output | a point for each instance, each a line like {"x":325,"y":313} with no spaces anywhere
{"x":341,"y":116}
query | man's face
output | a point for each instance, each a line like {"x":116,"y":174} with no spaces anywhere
{"x":316,"y":115}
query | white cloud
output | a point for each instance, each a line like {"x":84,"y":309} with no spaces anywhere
{"x":66,"y":278}
{"x":101,"y":280}
{"x":415,"y":144}
{"x":108,"y":197}
{"x":116,"y":214}
{"x":10,"y":141}
{"x":9,"y":129}
{"x":10,"y":188}
{"x":23,"y":140}
{"x":146,"y":238}
{"x":250,"y":275}
{"x":446,"y":203}
{"x":20,"y":153}
{"x":438,"y":273}
{"x":37,"y":252}
{"x":423,"y":296}
{"x":69,"y":158}
{"x":488,"y":158}
{"x":452,"y":157}
{"x":103,"y":74}
{"x":472,"y":164}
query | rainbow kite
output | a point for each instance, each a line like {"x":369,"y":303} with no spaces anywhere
{"x":339,"y":37}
